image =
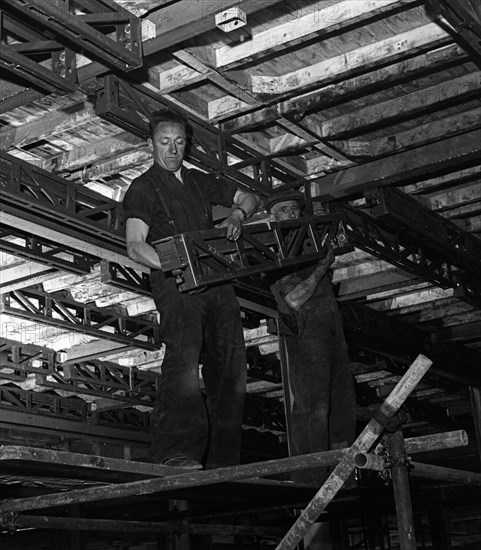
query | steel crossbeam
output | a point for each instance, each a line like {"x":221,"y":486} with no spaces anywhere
{"x":99,"y":378}
{"x":465,"y":17}
{"x":98,"y":322}
{"x":200,"y":258}
{"x":405,"y":245}
{"x":84,"y":27}
{"x":21,"y":243}
{"x":36,"y":195}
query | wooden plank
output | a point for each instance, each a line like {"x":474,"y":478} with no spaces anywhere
{"x":350,"y":87}
{"x":372,"y":56}
{"x":461,"y":195}
{"x":178,"y":77}
{"x":47,"y":125}
{"x":405,"y":167}
{"x":321,"y":19}
{"x":445,"y":180}
{"x":426,"y":133}
{"x":409,"y":105}
{"x":119,"y":144}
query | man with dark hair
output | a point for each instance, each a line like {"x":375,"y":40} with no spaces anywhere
{"x":198,"y":327}
{"x":320,"y":381}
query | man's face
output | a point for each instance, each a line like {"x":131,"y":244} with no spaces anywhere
{"x":286,"y":210}
{"x":169,"y":145}
{"x":319,"y":209}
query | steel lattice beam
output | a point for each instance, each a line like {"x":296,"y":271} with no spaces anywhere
{"x":99,"y":378}
{"x":465,"y":17}
{"x":39,"y":196}
{"x":67,"y":314}
{"x":20,"y":243}
{"x":200,"y":258}
{"x":84,"y":32}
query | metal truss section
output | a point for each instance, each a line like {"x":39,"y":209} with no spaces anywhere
{"x":19,"y":362}
{"x":397,"y":209}
{"x":34,"y":57}
{"x":84,"y":26}
{"x":29,"y":402}
{"x":414,"y":254}
{"x":32,"y":247}
{"x":200,"y":258}
{"x":36,"y":195}
{"x":23,"y":407}
{"x":387,"y":338}
{"x":129,"y":107}
{"x":125,"y":277}
{"x":69,"y":315}
{"x":464,"y":16}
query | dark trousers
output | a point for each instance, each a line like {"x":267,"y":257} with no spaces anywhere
{"x":200,"y":328}
{"x":323,"y":414}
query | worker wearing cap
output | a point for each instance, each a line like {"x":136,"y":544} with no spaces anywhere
{"x":320,"y":380}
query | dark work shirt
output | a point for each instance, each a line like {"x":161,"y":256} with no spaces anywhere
{"x":169,"y":206}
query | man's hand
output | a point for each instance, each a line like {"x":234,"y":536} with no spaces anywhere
{"x":233,"y":223}
{"x":328,"y":258}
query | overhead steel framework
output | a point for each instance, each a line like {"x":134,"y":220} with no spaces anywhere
{"x":103,"y":379}
{"x":129,"y":107}
{"x":465,"y":17}
{"x":103,"y":323}
{"x":40,"y":39}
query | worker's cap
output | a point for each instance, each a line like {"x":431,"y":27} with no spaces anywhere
{"x":283,"y":195}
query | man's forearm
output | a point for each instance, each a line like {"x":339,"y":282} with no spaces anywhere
{"x":306,"y":288}
{"x":144,"y":254}
{"x":248,"y":203}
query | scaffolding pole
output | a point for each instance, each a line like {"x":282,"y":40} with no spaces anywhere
{"x":363,"y":443}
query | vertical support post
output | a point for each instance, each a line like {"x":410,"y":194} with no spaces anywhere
{"x":402,"y":498}
{"x":346,"y":465}
{"x":476,"y":404}
{"x":284,"y":360}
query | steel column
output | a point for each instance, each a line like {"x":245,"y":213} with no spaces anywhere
{"x":402,"y":497}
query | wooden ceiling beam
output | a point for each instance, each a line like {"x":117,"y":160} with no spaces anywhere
{"x":444,"y":181}
{"x":351,"y":87}
{"x":459,"y":123}
{"x":407,"y":106}
{"x":390,"y":50}
{"x":319,"y":20}
{"x":444,"y":156}
{"x":47,"y":125}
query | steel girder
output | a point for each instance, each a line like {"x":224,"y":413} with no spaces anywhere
{"x":21,"y":243}
{"x":465,"y":17}
{"x":36,"y":195}
{"x":129,"y":107}
{"x":33,"y":410}
{"x":103,"y":379}
{"x":60,"y":28}
{"x":201,"y":258}
{"x":398,"y":229}
{"x":384,"y":336}
{"x":66,"y":314}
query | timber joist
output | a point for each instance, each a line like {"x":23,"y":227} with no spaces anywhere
{"x":103,"y":379}
{"x":67,"y":314}
{"x":59,"y":30}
